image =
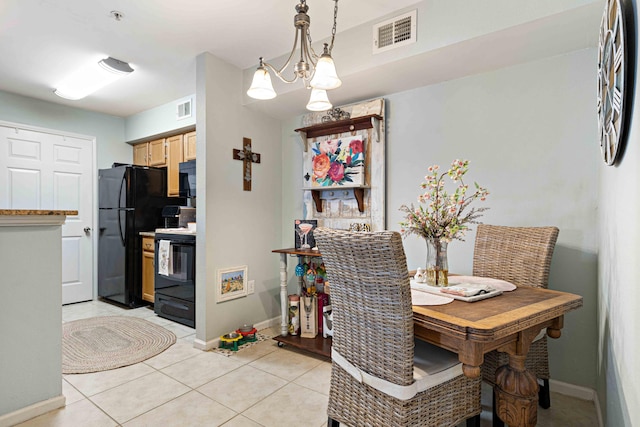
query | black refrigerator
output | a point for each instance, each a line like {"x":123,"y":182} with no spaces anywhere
{"x":131,"y":199}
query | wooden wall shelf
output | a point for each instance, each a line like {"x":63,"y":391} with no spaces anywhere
{"x":340,"y":126}
{"x":358,"y":193}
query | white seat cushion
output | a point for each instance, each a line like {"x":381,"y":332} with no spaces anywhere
{"x":433,"y":365}
{"x":540,"y":335}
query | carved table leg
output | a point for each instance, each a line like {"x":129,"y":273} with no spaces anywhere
{"x":516,"y":393}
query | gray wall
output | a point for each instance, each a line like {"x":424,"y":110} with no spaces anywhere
{"x":31,"y":318}
{"x":235,"y":227}
{"x":108,"y":130}
{"x":619,"y":274}
{"x":158,"y":120}
{"x":530,"y":134}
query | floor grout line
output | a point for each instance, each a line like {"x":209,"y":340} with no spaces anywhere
{"x":99,"y":308}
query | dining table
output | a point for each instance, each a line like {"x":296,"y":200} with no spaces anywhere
{"x":508,"y":322}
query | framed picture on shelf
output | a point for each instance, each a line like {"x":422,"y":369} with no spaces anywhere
{"x":304,"y":233}
{"x":232,"y":283}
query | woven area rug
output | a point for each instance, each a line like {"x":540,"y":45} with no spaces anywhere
{"x":259,"y":338}
{"x":102,"y":343}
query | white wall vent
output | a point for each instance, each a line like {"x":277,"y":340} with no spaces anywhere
{"x":395,"y":32}
{"x":183,"y":110}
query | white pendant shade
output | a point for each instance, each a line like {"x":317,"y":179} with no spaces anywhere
{"x":261,"y":87}
{"x":317,"y":73}
{"x":319,"y":101}
{"x":91,"y":78}
{"x":325,"y":77}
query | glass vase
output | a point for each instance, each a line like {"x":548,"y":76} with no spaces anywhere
{"x":437,"y":263}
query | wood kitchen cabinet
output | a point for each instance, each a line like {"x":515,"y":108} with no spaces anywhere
{"x":169,"y":152}
{"x":152,"y":153}
{"x":175,"y":147}
{"x":189,"y":146}
{"x":148,"y":269}
{"x":157,"y":153}
{"x":140,"y":153}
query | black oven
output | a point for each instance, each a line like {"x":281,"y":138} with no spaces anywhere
{"x":175,"y":277}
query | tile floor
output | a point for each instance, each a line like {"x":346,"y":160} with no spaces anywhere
{"x":259,"y":386}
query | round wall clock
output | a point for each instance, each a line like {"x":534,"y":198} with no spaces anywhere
{"x":614,"y":79}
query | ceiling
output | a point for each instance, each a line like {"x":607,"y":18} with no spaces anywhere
{"x":42,"y":41}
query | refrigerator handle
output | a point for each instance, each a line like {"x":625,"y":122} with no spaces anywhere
{"x":122,"y":239}
{"x":124,"y":178}
{"x":120,"y":212}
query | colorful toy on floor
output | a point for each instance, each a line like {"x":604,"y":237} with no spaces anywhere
{"x":243,"y":335}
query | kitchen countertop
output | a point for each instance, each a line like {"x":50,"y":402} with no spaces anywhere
{"x":180,"y":230}
{"x":166,"y":231}
{"x":13,"y":212}
{"x":33,"y":217}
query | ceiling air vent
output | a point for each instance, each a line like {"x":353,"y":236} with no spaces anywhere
{"x":184,"y":110}
{"x":395,"y":32}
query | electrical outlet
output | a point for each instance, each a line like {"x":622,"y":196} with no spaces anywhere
{"x":251,"y":286}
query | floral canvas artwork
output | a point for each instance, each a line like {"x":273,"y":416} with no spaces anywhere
{"x":338,"y":162}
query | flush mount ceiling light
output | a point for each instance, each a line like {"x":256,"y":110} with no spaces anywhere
{"x":92,"y":77}
{"x":317,"y":72}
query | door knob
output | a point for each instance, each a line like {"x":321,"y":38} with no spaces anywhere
{"x":87,"y":230}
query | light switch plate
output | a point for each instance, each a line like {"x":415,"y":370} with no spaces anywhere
{"x":251,"y":286}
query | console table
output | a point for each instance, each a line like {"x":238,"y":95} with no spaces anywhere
{"x":317,"y":345}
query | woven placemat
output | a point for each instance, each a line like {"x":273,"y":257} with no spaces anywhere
{"x":227,"y":352}
{"x":102,"y":343}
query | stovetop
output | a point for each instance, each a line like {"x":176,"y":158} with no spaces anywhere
{"x":175,"y":231}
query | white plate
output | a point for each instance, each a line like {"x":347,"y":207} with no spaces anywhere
{"x":436,"y":290}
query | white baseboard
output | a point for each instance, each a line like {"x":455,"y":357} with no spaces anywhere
{"x":32,"y":411}
{"x":215,"y":343}
{"x":572,"y":390}
{"x":206,"y":345}
{"x":578,"y":392}
{"x":269,"y":323}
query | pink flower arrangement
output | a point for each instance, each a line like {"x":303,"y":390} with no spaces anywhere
{"x":440,"y":214}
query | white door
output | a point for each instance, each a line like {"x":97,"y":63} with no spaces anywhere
{"x":42,"y":169}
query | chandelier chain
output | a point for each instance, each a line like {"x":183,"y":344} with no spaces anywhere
{"x":335,"y":20}
{"x":333,"y":30}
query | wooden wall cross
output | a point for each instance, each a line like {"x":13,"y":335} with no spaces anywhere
{"x":247,"y":156}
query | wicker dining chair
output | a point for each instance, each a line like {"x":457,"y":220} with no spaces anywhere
{"x":522,"y":256}
{"x":380,"y":376}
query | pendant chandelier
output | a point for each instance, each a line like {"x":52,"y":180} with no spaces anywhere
{"x":317,"y":73}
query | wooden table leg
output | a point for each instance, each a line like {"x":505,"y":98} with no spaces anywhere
{"x":516,"y":393}
{"x":516,"y":389}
